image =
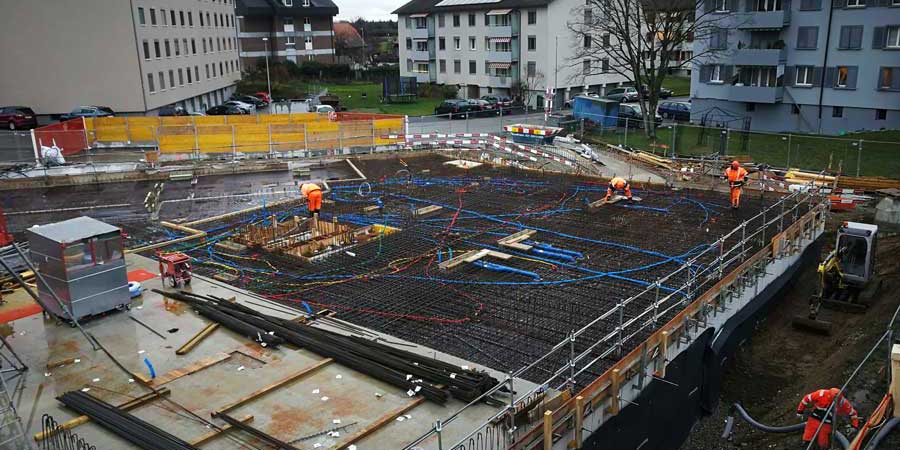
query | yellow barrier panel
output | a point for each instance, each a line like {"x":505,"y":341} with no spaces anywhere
{"x":321,"y":126}
{"x":357,"y":134}
{"x":142,"y":129}
{"x":251,"y":138}
{"x":288,"y":137}
{"x":176,"y":121}
{"x":274,"y":118}
{"x":305,"y":117}
{"x":215,"y":139}
{"x":89,"y":129}
{"x":384,"y":127}
{"x":110,"y":129}
{"x":243,"y":119}
{"x":176,"y":139}
{"x":209,"y":120}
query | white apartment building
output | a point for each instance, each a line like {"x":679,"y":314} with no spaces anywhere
{"x":133,"y":56}
{"x":491,"y":46}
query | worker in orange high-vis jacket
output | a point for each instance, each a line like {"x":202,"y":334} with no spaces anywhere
{"x":736,"y":176}
{"x":817,"y":403}
{"x":313,"y":194}
{"x":618,"y":184}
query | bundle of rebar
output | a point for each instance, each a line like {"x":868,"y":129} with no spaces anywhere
{"x":418,"y":375}
{"x":123,"y":424}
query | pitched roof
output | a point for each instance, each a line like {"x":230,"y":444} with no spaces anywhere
{"x":348,"y":33}
{"x":428,"y":6}
{"x":276,"y":7}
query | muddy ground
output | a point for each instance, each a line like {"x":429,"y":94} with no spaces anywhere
{"x":779,"y":364}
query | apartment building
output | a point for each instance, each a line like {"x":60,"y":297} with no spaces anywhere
{"x":289,"y":30}
{"x":133,"y":56}
{"x":498,"y":47}
{"x":827,"y":66}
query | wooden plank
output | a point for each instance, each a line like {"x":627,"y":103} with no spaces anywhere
{"x":895,"y":378}
{"x":663,"y":354}
{"x":517,"y":237}
{"x":425,"y":210}
{"x":615,"y":392}
{"x":380,"y":422}
{"x":127,"y":406}
{"x":456,"y":260}
{"x":472,"y":256}
{"x":199,"y":337}
{"x":173,"y":375}
{"x":548,"y":430}
{"x":60,"y":363}
{"x":579,"y":421}
{"x":216,"y":433}
{"x":275,"y":385}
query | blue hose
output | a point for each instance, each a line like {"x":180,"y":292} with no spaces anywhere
{"x":501,"y":268}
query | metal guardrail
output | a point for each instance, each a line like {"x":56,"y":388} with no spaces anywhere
{"x":694,"y":276}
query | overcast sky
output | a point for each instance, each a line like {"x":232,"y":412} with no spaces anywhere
{"x":368,"y":9}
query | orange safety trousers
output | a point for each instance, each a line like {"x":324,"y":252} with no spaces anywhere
{"x":735,"y":196}
{"x":314,"y":200}
{"x":812,"y":424}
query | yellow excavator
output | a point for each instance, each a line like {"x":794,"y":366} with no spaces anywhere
{"x":844,"y":276}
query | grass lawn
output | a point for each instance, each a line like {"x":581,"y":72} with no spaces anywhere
{"x":352,"y":98}
{"x":680,"y":86}
{"x":879,"y":155}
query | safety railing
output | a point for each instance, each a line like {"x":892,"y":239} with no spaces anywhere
{"x":664,"y":310}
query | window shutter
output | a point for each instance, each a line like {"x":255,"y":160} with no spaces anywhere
{"x":829,"y":76}
{"x":704,"y":74}
{"x":839,"y":3}
{"x":487,"y":20}
{"x":851,"y":77}
{"x":895,"y":78}
{"x":727,"y":73}
{"x":856,"y":37}
{"x":844,"y":41}
{"x":789,"y":76}
{"x":724,"y":38}
{"x":817,"y":77}
{"x":878,"y":37}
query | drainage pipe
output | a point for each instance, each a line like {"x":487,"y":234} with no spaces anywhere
{"x":838,"y":436}
{"x":882,"y":433}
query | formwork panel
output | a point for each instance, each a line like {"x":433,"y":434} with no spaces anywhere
{"x":251,"y":137}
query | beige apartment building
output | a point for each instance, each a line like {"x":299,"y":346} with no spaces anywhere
{"x":290,"y":30}
{"x":133,"y":56}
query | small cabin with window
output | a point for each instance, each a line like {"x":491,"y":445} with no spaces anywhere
{"x":82,"y":260}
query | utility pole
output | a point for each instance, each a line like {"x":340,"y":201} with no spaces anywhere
{"x":268,"y":80}
{"x":555,"y":70}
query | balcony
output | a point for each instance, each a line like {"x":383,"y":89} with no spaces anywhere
{"x":498,"y":31}
{"x":758,"y":57}
{"x":417,"y":55}
{"x":504,"y":57}
{"x":502,"y":82}
{"x":749,"y":94}
{"x":765,"y":20}
{"x":422,"y":77}
{"x":419,"y":33}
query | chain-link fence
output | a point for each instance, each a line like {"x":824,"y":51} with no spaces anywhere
{"x":860,"y":154}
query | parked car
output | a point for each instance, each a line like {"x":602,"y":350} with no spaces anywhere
{"x":255,"y":101}
{"x":324,"y":109}
{"x":249,"y":107}
{"x":197,"y":113}
{"x":481,"y":108}
{"x":263,"y":96}
{"x":623,"y":94}
{"x":499,"y":103}
{"x":88,"y":111}
{"x":172,"y":110}
{"x":225,"y":110}
{"x":454,"y":108}
{"x":675,"y":110}
{"x":17,"y":117}
{"x":663,"y":92}
{"x":635,"y":118}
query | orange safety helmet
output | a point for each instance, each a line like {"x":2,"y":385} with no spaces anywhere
{"x":735,"y":164}
{"x":620,"y":184}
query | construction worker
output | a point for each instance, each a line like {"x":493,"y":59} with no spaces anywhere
{"x":736,"y":176}
{"x":313,"y":194}
{"x":616,"y":185}
{"x":819,"y":402}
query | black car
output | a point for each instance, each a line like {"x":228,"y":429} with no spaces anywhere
{"x":225,"y":110}
{"x":675,"y":110}
{"x":454,"y":108}
{"x":631,"y":116}
{"x":88,"y":111}
{"x":172,"y":110}
{"x":499,"y":102}
{"x":663,"y":92}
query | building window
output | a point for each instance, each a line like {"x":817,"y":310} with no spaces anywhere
{"x":181,"y":15}
{"x":197,"y":73}
{"x":443,"y":65}
{"x":456,"y":44}
{"x":457,"y":66}
{"x":442,"y":43}
{"x":162,"y":82}
{"x":207,"y":71}
{"x":810,"y":5}
{"x":605,"y":40}
{"x":807,"y":38}
{"x":889,"y":78}
{"x":421,"y":67}
{"x":604,"y":65}
{"x":200,"y":14}
{"x":141,"y":19}
{"x":421,"y":23}
{"x":472,"y":44}
{"x":587,"y":41}
{"x":146,"y":50}
{"x":177,"y":48}
{"x":893,"y":37}
{"x":156,"y":49}
{"x":172,"y":20}
{"x":532,"y":17}
{"x":190,"y":19}
{"x":308,"y":42}
{"x":150,"y":84}
{"x":851,"y":37}
{"x":843,"y":73}
{"x":168,"y":49}
{"x":186,"y":52}
{"x":531,"y":69}
{"x":586,"y":67}
{"x":471,"y":20}
{"x":715,"y":75}
{"x":152,"y":17}
{"x":757,"y":76}
{"x":162,"y":16}
{"x":421,"y":46}
{"x":721,"y":6}
{"x":456,"y":20}
{"x":306,"y":3}
{"x":856,"y":3}
{"x":837,"y":111}
{"x":767,"y":5}
{"x":288,"y":3}
{"x":172,"y":78}
{"x":804,"y":76}
{"x":473,"y":67}
{"x":718,"y":39}
{"x":208,"y":22}
{"x":795,"y":109}
{"x":193,"y":46}
{"x":532,"y":43}
{"x":204,"y":44}
{"x":441,"y":20}
{"x":880,"y":114}
{"x":189,"y":75}
{"x":409,"y":65}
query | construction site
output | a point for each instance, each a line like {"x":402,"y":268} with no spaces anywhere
{"x":465,"y":292}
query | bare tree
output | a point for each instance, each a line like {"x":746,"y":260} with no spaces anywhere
{"x":525,"y":89}
{"x":641,"y":40}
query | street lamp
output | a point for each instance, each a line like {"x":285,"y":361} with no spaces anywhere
{"x":268,"y":80}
